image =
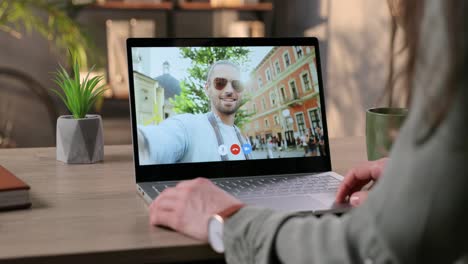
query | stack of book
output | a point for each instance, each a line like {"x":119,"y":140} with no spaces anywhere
{"x":14,"y":193}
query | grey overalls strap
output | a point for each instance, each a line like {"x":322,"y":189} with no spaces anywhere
{"x":219,"y":137}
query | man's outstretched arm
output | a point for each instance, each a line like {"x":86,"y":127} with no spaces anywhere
{"x":163,"y":143}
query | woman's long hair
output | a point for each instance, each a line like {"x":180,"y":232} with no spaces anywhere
{"x":408,"y":15}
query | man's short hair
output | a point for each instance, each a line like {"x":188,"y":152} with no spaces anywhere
{"x":221,"y":62}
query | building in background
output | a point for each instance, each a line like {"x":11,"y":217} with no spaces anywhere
{"x":152,"y":94}
{"x":171,"y":88}
{"x":149,"y":99}
{"x":284,"y":94}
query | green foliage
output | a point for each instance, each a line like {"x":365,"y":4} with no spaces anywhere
{"x":242,"y":115}
{"x":193,"y":98}
{"x":155,"y":119}
{"x":50,"y":19}
{"x":79,"y":96}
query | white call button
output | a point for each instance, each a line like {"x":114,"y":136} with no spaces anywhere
{"x":222,"y":150}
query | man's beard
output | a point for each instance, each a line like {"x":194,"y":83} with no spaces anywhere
{"x":227,"y":110}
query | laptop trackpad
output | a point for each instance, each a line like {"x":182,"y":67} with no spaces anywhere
{"x":288,"y":203}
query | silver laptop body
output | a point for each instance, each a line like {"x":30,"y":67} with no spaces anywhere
{"x":288,"y":169}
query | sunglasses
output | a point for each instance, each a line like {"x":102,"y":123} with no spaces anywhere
{"x":220,"y":83}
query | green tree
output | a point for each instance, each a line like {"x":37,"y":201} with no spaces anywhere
{"x":193,"y":98}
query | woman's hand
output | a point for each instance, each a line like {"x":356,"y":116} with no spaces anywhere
{"x":187,"y":207}
{"x":357,"y":178}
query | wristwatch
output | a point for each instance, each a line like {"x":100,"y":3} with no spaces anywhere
{"x":216,"y":227}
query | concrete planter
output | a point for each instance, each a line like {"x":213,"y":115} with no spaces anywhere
{"x":80,"y":140}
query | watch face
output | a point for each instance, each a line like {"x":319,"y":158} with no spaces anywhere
{"x":215,"y":233}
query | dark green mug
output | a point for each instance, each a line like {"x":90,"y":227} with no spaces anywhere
{"x":382,"y":126}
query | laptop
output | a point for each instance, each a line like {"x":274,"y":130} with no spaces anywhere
{"x":247,"y":113}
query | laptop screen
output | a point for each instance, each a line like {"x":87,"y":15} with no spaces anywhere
{"x":226,"y":104}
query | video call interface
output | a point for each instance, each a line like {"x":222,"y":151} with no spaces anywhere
{"x":205,"y":104}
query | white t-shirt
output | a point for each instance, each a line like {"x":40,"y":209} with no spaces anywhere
{"x":188,"y":138}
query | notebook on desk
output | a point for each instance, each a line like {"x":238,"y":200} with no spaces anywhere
{"x":14,"y":193}
{"x":249,"y":114}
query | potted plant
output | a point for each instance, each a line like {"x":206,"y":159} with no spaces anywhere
{"x":79,"y":135}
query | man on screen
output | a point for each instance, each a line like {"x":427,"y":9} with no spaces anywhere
{"x":200,"y":137}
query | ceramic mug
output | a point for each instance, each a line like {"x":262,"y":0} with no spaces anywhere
{"x":382,"y":126}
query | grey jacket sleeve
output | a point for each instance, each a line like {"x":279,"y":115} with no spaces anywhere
{"x":255,"y":235}
{"x":417,"y":213}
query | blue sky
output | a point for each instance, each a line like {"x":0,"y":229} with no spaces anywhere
{"x":178,"y":65}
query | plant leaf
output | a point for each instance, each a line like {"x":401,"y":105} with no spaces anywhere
{"x":78,"y":95}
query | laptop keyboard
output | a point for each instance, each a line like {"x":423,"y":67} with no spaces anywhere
{"x":270,"y":186}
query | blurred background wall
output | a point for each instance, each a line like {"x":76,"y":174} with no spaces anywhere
{"x":354,"y":38}
{"x":358,"y":44}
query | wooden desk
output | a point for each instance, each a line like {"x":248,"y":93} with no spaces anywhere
{"x":91,"y":213}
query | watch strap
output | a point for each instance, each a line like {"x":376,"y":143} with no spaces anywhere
{"x":226,"y":213}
